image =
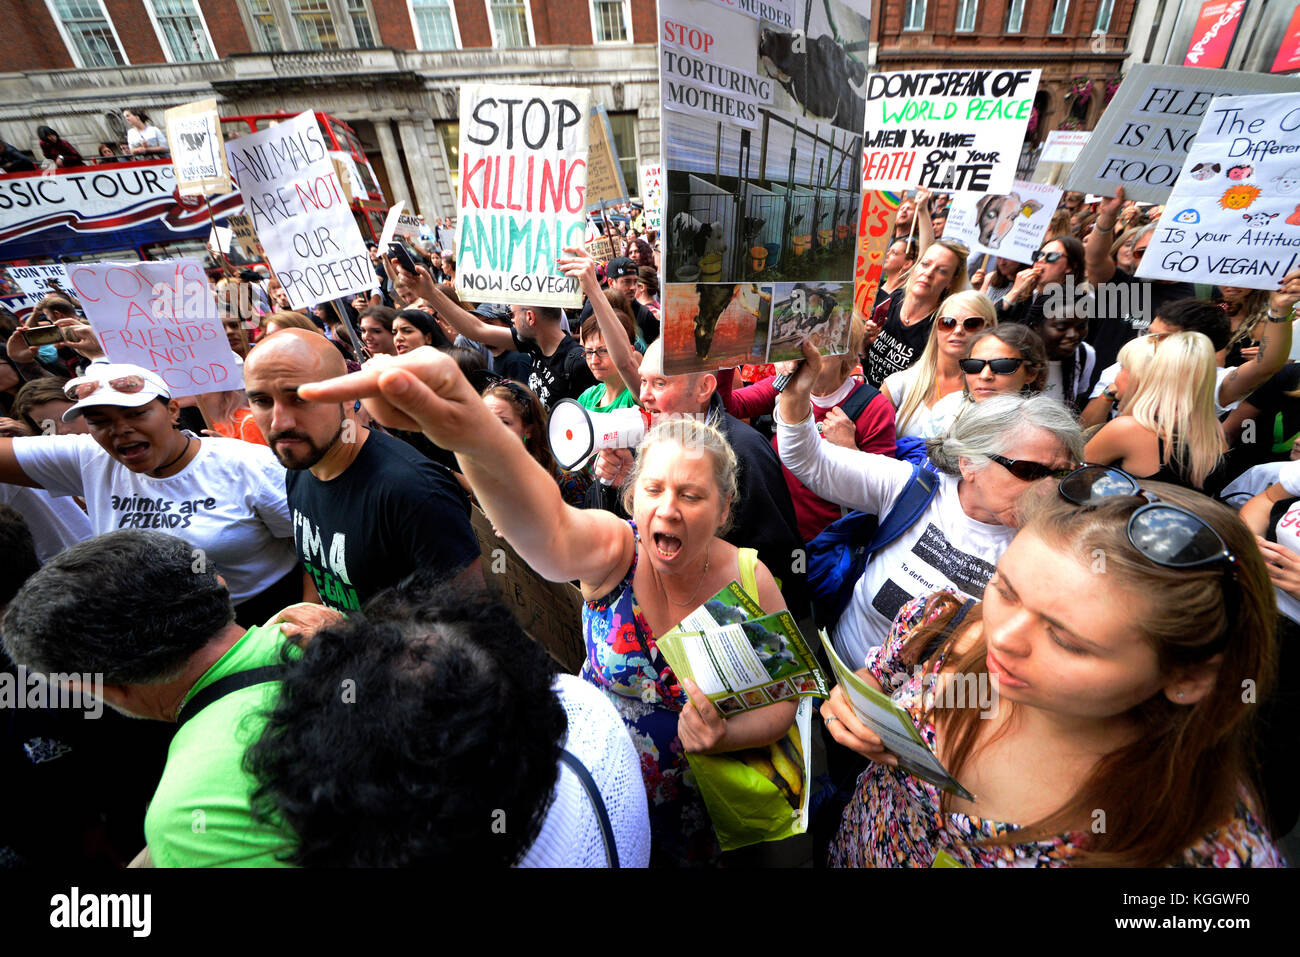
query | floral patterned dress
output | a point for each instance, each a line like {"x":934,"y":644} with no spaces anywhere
{"x":624,"y":661}
{"x":896,"y":820}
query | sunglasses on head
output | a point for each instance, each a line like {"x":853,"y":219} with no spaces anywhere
{"x":1029,"y":471}
{"x":1165,"y":534}
{"x":1047,"y":257}
{"x":970,"y":323}
{"x":999,"y":366}
{"x":127,"y":385}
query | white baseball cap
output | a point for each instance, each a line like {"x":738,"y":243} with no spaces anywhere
{"x":114,"y":383}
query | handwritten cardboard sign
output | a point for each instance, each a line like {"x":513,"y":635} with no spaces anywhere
{"x":298,"y":210}
{"x":162,"y":316}
{"x":523,"y":183}
{"x":241,"y":228}
{"x":1012,"y":225}
{"x":25,"y":286}
{"x":949,"y":130}
{"x":197,"y":148}
{"x":604,"y":175}
{"x":1233,"y":217}
{"x":1142,"y":139}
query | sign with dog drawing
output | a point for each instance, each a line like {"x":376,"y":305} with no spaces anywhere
{"x":762,"y":125}
{"x":1233,"y":218}
{"x":1012,"y":225}
{"x":946,"y":130}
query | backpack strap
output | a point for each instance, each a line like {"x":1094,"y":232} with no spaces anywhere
{"x":597,"y":802}
{"x":227,"y":685}
{"x":916,"y":498}
{"x":858,"y":401}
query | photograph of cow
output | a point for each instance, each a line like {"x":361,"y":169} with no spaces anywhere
{"x":823,"y":80}
{"x":710,"y":326}
{"x":816,"y":311}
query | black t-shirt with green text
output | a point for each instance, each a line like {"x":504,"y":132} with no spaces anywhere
{"x":392,"y":513}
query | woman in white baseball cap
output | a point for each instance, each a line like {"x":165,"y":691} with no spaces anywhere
{"x":135,"y":469}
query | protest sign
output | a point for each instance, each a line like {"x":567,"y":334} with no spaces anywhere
{"x":762,"y":126}
{"x":161,"y":316}
{"x":197,"y":149}
{"x":652,"y":195}
{"x":1012,"y":226}
{"x":1063,"y":146}
{"x":1142,"y":139}
{"x":523,"y":180}
{"x":604,"y":175}
{"x":1233,"y":218}
{"x":399,"y":225}
{"x":295,"y":202}
{"x":22,"y":287}
{"x":241,"y":228}
{"x":1288,"y":51}
{"x":601,"y":249}
{"x":875,"y":234}
{"x":1212,"y":35}
{"x":950,"y":130}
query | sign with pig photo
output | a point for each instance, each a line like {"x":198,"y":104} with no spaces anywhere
{"x":1012,"y":226}
{"x":762,"y":124}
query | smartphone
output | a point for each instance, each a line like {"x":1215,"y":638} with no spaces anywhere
{"x":398,"y":251}
{"x":36,"y":336}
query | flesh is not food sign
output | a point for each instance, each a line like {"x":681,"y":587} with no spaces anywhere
{"x":299,"y":212}
{"x":1233,"y":219}
{"x":1143,"y":138}
{"x":523,"y":184}
{"x":161,"y":316}
{"x":954,"y":130}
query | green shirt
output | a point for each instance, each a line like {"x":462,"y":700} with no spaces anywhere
{"x":590,"y":399}
{"x":200,"y":815}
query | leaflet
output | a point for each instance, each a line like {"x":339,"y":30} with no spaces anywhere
{"x":894,"y":727}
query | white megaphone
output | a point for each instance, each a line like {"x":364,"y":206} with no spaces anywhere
{"x":576,"y":433}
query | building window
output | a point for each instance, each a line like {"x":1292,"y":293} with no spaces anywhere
{"x":1015,"y":14}
{"x":1104,"y":10}
{"x":360,"y":18}
{"x":914,"y":15}
{"x":88,"y":32}
{"x":1059,"y":13}
{"x":509,"y":21}
{"x":610,"y":19}
{"x":435,"y":24}
{"x":966,"y":10}
{"x":315,"y":25}
{"x":263,"y":17}
{"x":181,"y":30}
{"x":450,"y":133}
{"x":623,"y":126}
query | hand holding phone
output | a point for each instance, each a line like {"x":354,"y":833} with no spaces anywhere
{"x":37,"y":336}
{"x":398,"y":251}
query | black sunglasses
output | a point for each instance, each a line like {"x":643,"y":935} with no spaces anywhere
{"x":1166,"y":534}
{"x":970,"y":323}
{"x":1047,"y":257}
{"x":1030,"y":471}
{"x":999,"y":366}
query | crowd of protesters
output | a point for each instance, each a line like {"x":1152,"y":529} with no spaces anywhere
{"x":287,"y":577}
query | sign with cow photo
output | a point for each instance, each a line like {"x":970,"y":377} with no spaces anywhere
{"x":1233,"y":219}
{"x":1012,"y":226}
{"x":946,"y":130}
{"x":762,"y":125}
{"x":197,"y":149}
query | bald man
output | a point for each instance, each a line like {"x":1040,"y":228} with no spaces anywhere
{"x":367,"y":509}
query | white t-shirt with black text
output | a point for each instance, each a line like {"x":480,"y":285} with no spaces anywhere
{"x":229,"y":501}
{"x":945,"y":547}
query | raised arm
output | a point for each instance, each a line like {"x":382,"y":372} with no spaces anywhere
{"x":11,"y":472}
{"x":422,"y":286}
{"x":1096,"y":248}
{"x":924,"y":226}
{"x":425,"y":390}
{"x":1274,"y":344}
{"x":577,"y":263}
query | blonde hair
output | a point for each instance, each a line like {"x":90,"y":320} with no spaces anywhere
{"x":927,"y":367}
{"x":1134,"y":357}
{"x":693,"y":435}
{"x":1174,"y":398}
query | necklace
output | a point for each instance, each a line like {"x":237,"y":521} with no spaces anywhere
{"x":691,"y":600}
{"x":162,"y":468}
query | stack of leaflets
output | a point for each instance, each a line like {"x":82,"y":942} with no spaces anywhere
{"x":741,"y":658}
{"x":893,"y":725}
